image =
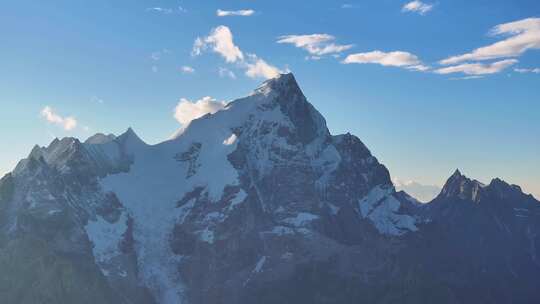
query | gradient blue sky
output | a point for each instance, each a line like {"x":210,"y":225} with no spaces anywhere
{"x":92,"y":60}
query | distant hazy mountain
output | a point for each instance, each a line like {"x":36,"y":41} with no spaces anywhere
{"x":257,"y":203}
{"x":423,"y":193}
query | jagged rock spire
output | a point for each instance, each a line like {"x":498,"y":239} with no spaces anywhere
{"x":458,"y":185}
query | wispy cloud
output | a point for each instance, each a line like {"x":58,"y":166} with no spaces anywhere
{"x":221,"y":41}
{"x":68,"y":123}
{"x":477,"y":68}
{"x":160,"y":10}
{"x":187,"y":69}
{"x":315,"y":44}
{"x":97,"y":100}
{"x":467,"y":77}
{"x":525,"y":70}
{"x":417,"y":7}
{"x":244,"y":12}
{"x":395,"y":59}
{"x":186,"y":110}
{"x":166,"y":10}
{"x":224,"y":72}
{"x":523,"y":35}
{"x":157,"y":55}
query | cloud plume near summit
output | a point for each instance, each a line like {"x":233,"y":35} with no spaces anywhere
{"x":187,"y":110}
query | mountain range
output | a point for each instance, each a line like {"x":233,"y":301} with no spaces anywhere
{"x":256,"y":203}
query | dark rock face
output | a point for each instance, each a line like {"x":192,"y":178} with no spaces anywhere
{"x":487,"y":234}
{"x":257,"y":203}
{"x":459,"y":186}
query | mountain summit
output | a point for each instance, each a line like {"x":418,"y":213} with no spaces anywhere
{"x":458,"y":185}
{"x":256,"y":203}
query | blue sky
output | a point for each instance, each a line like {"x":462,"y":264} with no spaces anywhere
{"x":102,"y":66}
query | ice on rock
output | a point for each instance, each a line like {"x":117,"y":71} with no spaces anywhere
{"x":214,"y":217}
{"x":237,"y":200}
{"x":382,"y":209}
{"x":260,"y":264}
{"x":281,"y":230}
{"x":230,"y":140}
{"x":207,"y":236}
{"x":333,"y":208}
{"x":106,"y":238}
{"x":301,"y":219}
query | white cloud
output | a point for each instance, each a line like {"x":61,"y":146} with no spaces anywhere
{"x":186,"y":110}
{"x":478,"y":68}
{"x":524,"y":70}
{"x":221,"y":41}
{"x":259,"y":68}
{"x":395,"y":59}
{"x":417,"y":7}
{"x":68,"y":123}
{"x":154,"y":69}
{"x":224,"y":72}
{"x":187,"y":69}
{"x":315,"y":44}
{"x":523,"y":35}
{"x":246,"y":12}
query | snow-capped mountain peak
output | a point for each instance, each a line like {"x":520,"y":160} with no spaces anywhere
{"x":130,"y":138}
{"x":100,"y":138}
{"x":280,"y":83}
